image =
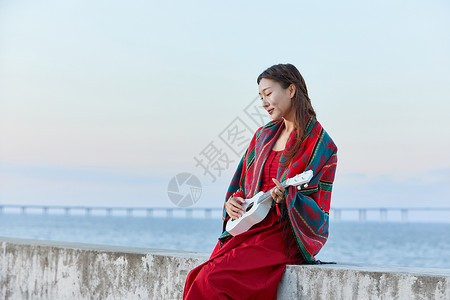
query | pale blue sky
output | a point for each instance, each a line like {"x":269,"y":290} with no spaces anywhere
{"x":103,"y":102}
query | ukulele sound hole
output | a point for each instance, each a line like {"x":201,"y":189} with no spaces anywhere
{"x":249,"y":207}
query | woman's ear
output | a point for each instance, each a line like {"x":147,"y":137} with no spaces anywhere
{"x":292,"y":89}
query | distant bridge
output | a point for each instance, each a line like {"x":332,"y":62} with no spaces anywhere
{"x":362,"y":212}
{"x":149,"y":211}
{"x":109,"y":210}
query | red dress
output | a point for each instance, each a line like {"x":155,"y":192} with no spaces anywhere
{"x":249,"y":265}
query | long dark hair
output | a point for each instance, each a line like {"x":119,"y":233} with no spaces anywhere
{"x":285,"y":75}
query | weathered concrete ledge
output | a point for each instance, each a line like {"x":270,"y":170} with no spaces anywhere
{"x":36,"y":269}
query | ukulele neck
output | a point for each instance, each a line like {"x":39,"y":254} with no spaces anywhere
{"x":267,"y":195}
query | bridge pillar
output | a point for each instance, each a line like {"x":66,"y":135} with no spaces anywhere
{"x":66,"y":211}
{"x":149,"y":212}
{"x":208,"y":213}
{"x":88,"y":211}
{"x":1,"y":209}
{"x":169,"y":212}
{"x":404,"y":213}
{"x":362,"y":215}
{"x":45,"y":210}
{"x":109,"y":212}
{"x":24,"y":210}
{"x":129,"y":212}
{"x":189,"y":212}
{"x":337,"y":215}
{"x":383,"y":215}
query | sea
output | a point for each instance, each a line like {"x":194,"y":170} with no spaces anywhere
{"x":425,"y":245}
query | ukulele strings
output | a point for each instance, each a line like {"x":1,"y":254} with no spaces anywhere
{"x":266,"y":195}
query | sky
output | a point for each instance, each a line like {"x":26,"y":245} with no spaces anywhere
{"x":104,"y":102}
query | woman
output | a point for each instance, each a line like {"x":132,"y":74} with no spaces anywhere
{"x":250,"y":265}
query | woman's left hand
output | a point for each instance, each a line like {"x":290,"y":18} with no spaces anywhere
{"x":277,"y":192}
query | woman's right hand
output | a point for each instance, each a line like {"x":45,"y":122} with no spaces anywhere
{"x":234,"y":207}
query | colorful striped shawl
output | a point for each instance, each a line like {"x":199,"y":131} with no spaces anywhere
{"x":308,"y":208}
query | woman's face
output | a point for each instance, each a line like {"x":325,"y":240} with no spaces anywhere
{"x":275,"y":99}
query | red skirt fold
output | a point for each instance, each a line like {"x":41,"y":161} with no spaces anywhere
{"x":247,"y":266}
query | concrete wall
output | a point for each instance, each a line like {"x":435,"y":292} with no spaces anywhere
{"x":34,"y":269}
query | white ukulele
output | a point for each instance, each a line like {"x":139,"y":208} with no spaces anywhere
{"x":257,"y":208}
